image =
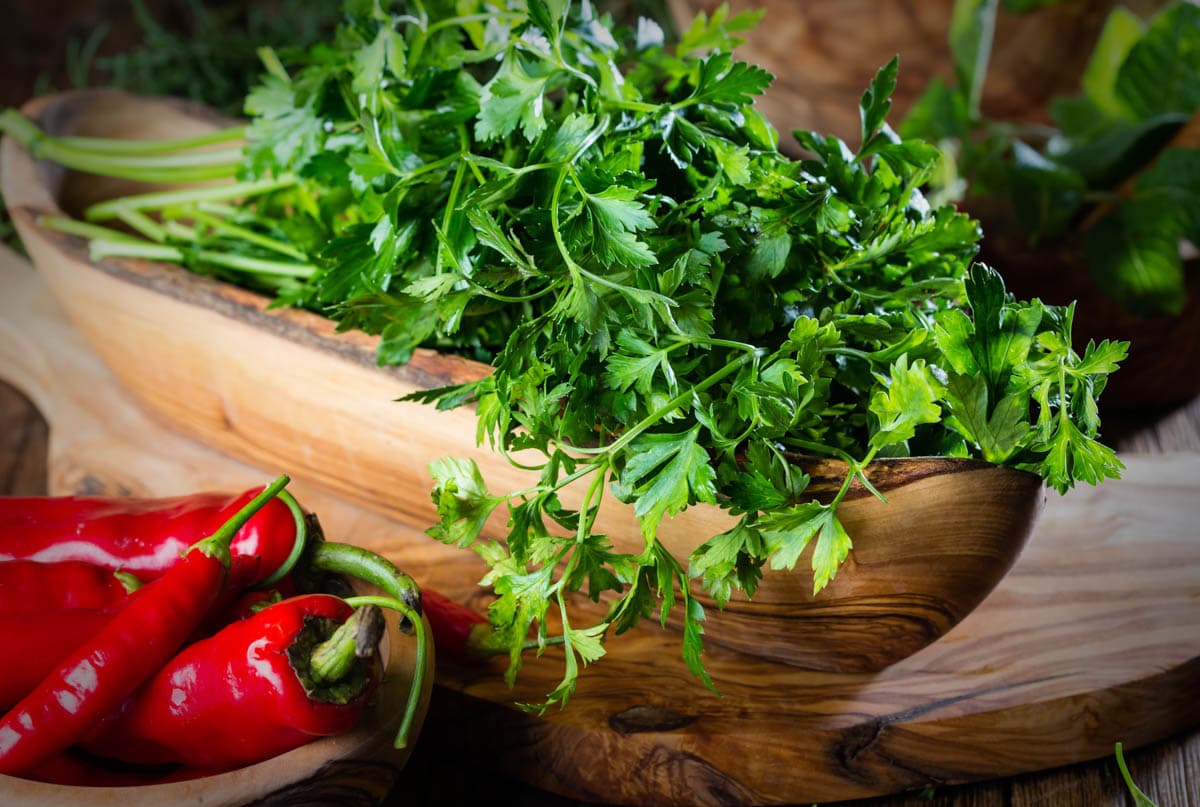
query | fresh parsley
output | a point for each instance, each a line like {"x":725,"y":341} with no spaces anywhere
{"x":674,"y":311}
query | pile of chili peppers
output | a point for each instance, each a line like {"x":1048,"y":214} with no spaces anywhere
{"x":163,"y":639}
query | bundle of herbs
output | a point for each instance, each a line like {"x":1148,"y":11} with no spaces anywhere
{"x":672,"y":309}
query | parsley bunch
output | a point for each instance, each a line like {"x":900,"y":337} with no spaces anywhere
{"x":674,"y":311}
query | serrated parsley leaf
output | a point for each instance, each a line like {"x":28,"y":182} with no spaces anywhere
{"x":462,"y":501}
{"x":512,"y":98}
{"x":724,"y":81}
{"x":665,"y":473}
{"x":908,"y":400}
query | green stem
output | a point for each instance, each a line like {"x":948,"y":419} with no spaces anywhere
{"x":217,"y":544}
{"x":192,"y":167}
{"x":102,"y":145}
{"x":670,"y":406}
{"x":234,"y":190}
{"x":368,"y":567}
{"x":419,"y":661}
{"x":270,"y":61}
{"x":143,"y":224}
{"x":354,"y":639}
{"x":258,"y":266}
{"x":82,"y":229}
{"x":247,"y":235}
{"x":298,"y":544}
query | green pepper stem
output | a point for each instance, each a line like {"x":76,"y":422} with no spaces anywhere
{"x":354,"y":639}
{"x":416,"y":687}
{"x":128,"y":581}
{"x":297,"y":545}
{"x":368,"y":567}
{"x":217,"y":545}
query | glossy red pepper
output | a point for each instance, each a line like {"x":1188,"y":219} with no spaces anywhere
{"x":251,"y":691}
{"x":37,"y":643}
{"x":98,"y":676}
{"x":29,"y":587}
{"x":459,"y":632}
{"x":147,"y":536}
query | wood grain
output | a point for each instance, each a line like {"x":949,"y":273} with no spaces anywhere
{"x":950,"y":530}
{"x":1090,"y":638}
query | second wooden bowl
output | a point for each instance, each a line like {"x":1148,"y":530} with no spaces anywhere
{"x":281,"y":387}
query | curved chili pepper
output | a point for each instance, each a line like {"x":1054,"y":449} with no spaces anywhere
{"x":461,"y":633}
{"x":299,"y":669}
{"x":145,"y":537}
{"x":28,"y":587}
{"x":99,"y":675}
{"x":37,"y":644}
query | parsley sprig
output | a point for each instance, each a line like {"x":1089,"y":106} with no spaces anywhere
{"x":674,"y":311}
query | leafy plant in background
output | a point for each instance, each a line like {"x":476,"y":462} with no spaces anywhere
{"x":1141,"y":85}
{"x":673,"y":309}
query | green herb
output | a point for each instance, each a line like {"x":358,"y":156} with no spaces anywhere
{"x":1141,"y":84}
{"x":1140,"y":799}
{"x":674,"y":310}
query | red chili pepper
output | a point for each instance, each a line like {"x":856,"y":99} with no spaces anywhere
{"x":299,"y":669}
{"x":146,"y":536}
{"x":458,"y":631}
{"x":37,"y":644}
{"x":28,"y":587}
{"x":71,"y":768}
{"x":99,"y":675}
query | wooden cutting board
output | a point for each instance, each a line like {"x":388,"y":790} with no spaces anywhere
{"x":1093,"y":637}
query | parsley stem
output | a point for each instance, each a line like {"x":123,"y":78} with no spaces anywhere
{"x":118,"y":146}
{"x":465,"y":18}
{"x":671,"y":405}
{"x":82,"y":229}
{"x":159,"y":252}
{"x":219,"y":225}
{"x":143,"y":224}
{"x":235,"y":190}
{"x":632,"y":106}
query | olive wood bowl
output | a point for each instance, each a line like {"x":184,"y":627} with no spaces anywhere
{"x":281,"y":386}
{"x":358,"y":767}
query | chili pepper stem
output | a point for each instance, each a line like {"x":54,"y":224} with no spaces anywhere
{"x":216,"y":546}
{"x":355,"y":638}
{"x":369,"y":567}
{"x":129,"y":581}
{"x":417,"y":686}
{"x":302,"y":530}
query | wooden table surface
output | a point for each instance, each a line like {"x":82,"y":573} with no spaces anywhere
{"x":1169,"y":771}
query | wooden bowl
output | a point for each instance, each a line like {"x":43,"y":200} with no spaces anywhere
{"x":357,"y":768}
{"x":281,"y":387}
